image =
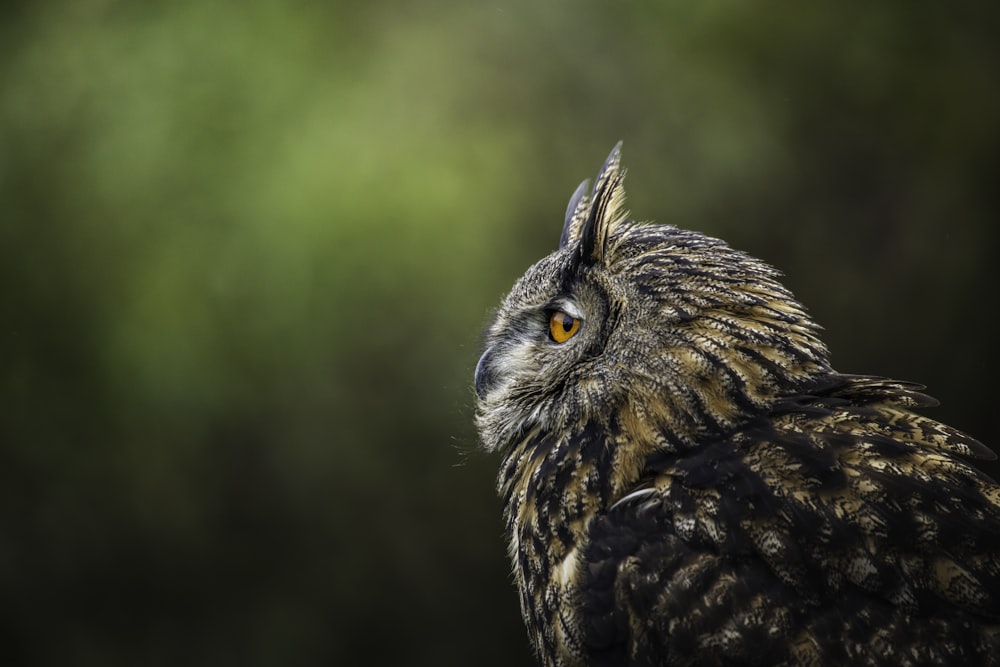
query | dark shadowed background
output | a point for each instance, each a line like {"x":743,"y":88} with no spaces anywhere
{"x":247,"y":251}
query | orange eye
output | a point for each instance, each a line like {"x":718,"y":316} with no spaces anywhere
{"x":562,"y":327}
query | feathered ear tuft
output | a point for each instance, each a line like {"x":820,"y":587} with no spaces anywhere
{"x":576,"y":213}
{"x":590,"y":218}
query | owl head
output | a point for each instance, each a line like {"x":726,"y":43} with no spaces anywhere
{"x":671,"y":334}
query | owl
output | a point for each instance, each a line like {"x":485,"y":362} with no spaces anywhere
{"x":687,"y":481}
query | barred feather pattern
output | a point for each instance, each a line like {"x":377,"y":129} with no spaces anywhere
{"x":688,"y":481}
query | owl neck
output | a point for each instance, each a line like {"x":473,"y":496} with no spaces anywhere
{"x":707,"y":376}
{"x":552,"y":487}
{"x":554,"y":480}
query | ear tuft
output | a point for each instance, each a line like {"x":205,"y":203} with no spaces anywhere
{"x":590,"y":218}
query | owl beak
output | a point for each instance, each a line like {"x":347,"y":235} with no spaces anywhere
{"x":485,"y":376}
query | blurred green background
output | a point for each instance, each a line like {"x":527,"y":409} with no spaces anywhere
{"x":247,"y":251}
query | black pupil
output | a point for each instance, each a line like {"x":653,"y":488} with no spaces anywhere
{"x":567,"y":323}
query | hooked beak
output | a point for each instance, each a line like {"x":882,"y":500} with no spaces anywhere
{"x":485,"y":375}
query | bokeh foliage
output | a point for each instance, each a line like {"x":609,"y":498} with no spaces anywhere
{"x":247,"y":250}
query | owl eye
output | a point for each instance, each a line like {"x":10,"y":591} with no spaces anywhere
{"x":562,"y":327}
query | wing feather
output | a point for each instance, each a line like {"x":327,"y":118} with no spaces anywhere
{"x":834,"y":531}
